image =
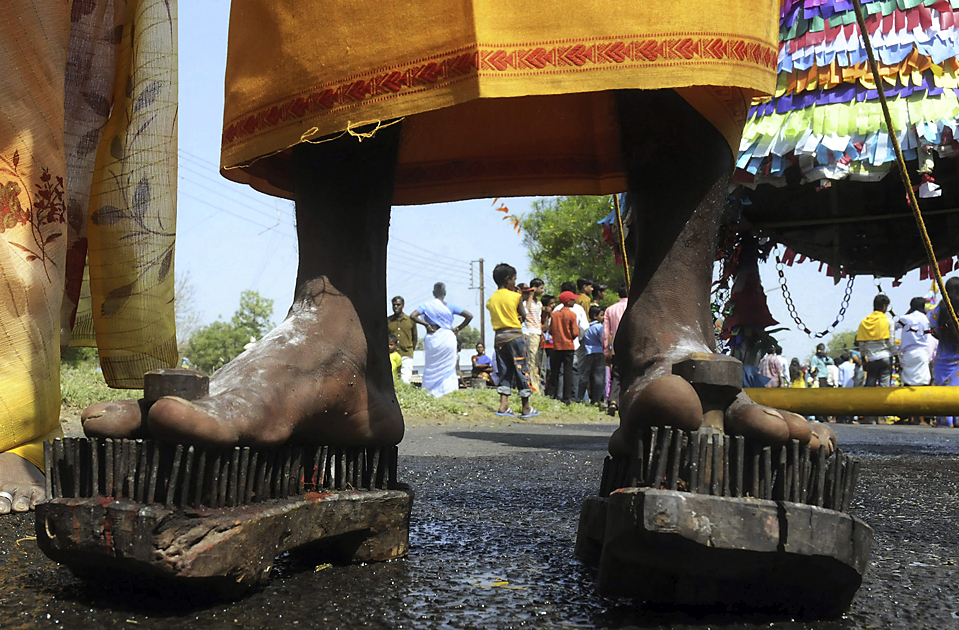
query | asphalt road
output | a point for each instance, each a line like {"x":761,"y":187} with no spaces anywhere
{"x":494,"y":524}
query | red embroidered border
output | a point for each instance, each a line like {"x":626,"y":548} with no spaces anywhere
{"x":557,"y":58}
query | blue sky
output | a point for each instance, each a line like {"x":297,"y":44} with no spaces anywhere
{"x":231,"y":238}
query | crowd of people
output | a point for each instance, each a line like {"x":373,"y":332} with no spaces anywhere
{"x":916,"y":349}
{"x":559,"y":345}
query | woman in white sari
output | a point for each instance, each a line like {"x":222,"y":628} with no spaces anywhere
{"x":439,"y":377}
{"x":914,"y":354}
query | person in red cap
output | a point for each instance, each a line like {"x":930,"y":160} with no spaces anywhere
{"x":564,"y":330}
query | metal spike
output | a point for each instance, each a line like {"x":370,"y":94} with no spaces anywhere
{"x":299,"y":456}
{"x":48,"y":468}
{"x":174,"y":475}
{"x":140,"y":474}
{"x":283,"y":472}
{"x":339,"y":479}
{"x":394,"y":461}
{"x":739,"y":450}
{"x":200,"y":477}
{"x":821,"y":476}
{"x":705,"y":462}
{"x":355,"y":480}
{"x":804,"y":469}
{"x":679,"y":438}
{"x":767,"y":461}
{"x":242,"y":476}
{"x":716,"y":483}
{"x":693,"y":460}
{"x":634,"y":466}
{"x":659,"y":454}
{"x":215,"y":476}
{"x":754,"y":458}
{"x":232,"y":489}
{"x":368,"y":467}
{"x":835,"y":499}
{"x":129,"y":468}
{"x":154,"y":471}
{"x":109,"y":462}
{"x":329,"y":466}
{"x":225,"y":458}
{"x":650,"y":462}
{"x":316,"y":472}
{"x":70,"y":455}
{"x":381,"y":464}
{"x":189,"y":456}
{"x":780,"y":475}
{"x":57,"y":482}
{"x":726,"y":450}
{"x":94,"y":468}
{"x":249,"y":491}
{"x":265,"y":487}
{"x":794,"y":477}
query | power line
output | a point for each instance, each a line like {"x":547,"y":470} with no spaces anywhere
{"x":222,"y":184}
{"x":459,"y":260}
{"x":462,"y":275}
{"x":233,"y":214}
{"x":240,"y":203}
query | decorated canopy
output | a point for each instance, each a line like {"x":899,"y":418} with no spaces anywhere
{"x":816,"y":160}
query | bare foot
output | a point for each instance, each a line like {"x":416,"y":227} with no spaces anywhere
{"x":307,"y":380}
{"x":324,"y":374}
{"x":21,"y":480}
{"x":668,"y":316}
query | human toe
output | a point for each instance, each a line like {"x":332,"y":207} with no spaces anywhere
{"x":116,"y":419}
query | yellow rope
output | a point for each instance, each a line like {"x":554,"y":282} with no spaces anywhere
{"x":901,"y":162}
{"x":622,"y":239}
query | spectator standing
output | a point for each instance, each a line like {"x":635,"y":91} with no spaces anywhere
{"x":784,"y":377}
{"x":593,"y":379}
{"x":817,"y":365}
{"x":770,"y":367}
{"x":507,"y":313}
{"x":876,"y":345}
{"x":611,"y":319}
{"x":914,"y":345}
{"x":534,"y":329}
{"x":395,"y":359}
{"x":564,"y":329}
{"x":599,"y":293}
{"x":582,"y":321}
{"x":832,"y":373}
{"x":404,"y":329}
{"x":442,"y":358}
{"x":796,"y":377}
{"x":847,"y":371}
{"x":946,"y":367}
{"x":584,"y":288}
{"x":546,"y":343}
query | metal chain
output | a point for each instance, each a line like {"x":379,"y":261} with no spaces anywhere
{"x":792,"y":307}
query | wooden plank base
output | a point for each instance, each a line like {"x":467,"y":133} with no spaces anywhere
{"x":737,"y":554}
{"x":227,"y":549}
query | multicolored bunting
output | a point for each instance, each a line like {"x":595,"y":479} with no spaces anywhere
{"x":825,"y":115}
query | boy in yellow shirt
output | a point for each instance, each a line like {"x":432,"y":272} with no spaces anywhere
{"x":396,"y":360}
{"x":507,"y":312}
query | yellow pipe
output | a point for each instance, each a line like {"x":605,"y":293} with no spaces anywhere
{"x":860,"y":401}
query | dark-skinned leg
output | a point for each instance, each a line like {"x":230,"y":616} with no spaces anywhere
{"x":678,"y":169}
{"x":323,"y":375}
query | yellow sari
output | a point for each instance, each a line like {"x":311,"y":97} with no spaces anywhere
{"x":87,"y":173}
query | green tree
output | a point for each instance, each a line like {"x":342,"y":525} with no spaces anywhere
{"x":468,"y":337}
{"x":565,"y":242}
{"x":840,"y":342}
{"x":216,"y":344}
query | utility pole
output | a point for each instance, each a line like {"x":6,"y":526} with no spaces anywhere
{"x":482,"y":298}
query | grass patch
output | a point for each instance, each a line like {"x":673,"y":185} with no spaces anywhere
{"x":82,"y":384}
{"x":481,"y":405}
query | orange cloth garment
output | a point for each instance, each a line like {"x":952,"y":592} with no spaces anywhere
{"x":497,"y":97}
